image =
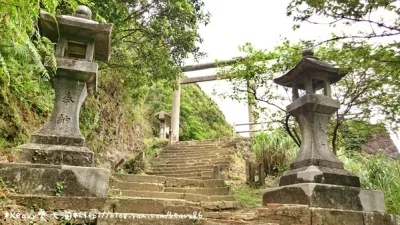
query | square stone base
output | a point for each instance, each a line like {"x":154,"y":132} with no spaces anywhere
{"x":327,"y":196}
{"x":319,"y":174}
{"x":305,"y":215}
{"x":56,"y":155}
{"x":39,"y":179}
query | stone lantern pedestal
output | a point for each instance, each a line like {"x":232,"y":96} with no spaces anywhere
{"x":56,"y":155}
{"x":317,"y":178}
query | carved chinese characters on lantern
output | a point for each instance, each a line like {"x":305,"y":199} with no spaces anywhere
{"x":68,"y":98}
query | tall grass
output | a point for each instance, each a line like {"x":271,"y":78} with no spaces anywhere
{"x":276,"y":150}
{"x":377,"y":173}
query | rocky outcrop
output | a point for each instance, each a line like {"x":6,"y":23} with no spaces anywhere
{"x":383,"y":143}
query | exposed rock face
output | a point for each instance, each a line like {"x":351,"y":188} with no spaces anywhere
{"x":381,"y":142}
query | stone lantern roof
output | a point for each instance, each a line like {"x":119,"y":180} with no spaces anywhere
{"x":313,"y":67}
{"x":78,"y":26}
{"x":163,"y":116}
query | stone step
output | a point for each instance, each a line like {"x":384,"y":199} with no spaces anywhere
{"x":187,"y":175}
{"x":148,"y":194}
{"x":230,"y":143}
{"x":172,"y":164}
{"x":202,"y":191}
{"x":200,"y":178}
{"x":196,"y":149}
{"x":188,"y":168}
{"x":222,"y":222}
{"x":186,"y":182}
{"x":168,"y":181}
{"x":154,"y":205}
{"x":173,"y":195}
{"x":196,"y":162}
{"x":184,"y":158}
{"x":221,"y":205}
{"x":182,"y":164}
{"x":135,"y":219}
{"x":53,"y":203}
{"x":192,"y":152}
{"x":121,"y":205}
{"x":139,"y":178}
{"x":136,"y":186}
{"x":199,"y":162}
{"x":248,"y":215}
{"x":183,"y":170}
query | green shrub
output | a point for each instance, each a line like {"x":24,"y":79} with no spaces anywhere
{"x":276,"y":150}
{"x":377,"y":173}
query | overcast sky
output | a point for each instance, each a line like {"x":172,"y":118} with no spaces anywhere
{"x":262,"y":23}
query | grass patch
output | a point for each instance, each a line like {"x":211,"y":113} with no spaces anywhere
{"x":153,"y":148}
{"x":247,"y":196}
{"x":377,"y":172}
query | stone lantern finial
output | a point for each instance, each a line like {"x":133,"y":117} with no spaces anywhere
{"x":83,"y":12}
{"x":308,"y":52}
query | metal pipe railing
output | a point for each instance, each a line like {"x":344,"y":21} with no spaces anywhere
{"x":234,"y":125}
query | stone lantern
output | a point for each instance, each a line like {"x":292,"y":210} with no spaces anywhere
{"x":316,"y":177}
{"x":165,"y":123}
{"x":57,"y":153}
{"x":79,"y":40}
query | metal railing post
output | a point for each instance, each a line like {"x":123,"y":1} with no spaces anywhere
{"x":234,"y":130}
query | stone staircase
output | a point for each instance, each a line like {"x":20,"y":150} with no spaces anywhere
{"x":155,"y":199}
{"x":210,"y":194}
{"x":193,"y":160}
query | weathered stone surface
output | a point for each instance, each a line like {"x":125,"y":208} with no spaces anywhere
{"x":64,"y":120}
{"x":381,"y":219}
{"x":317,"y":174}
{"x":230,"y":216}
{"x":59,"y":141}
{"x":152,"y":206}
{"x":56,"y":155}
{"x":39,"y":179}
{"x":285,"y":215}
{"x":202,"y":191}
{"x":180,"y":182}
{"x":336,"y":217}
{"x":326,"y":196}
{"x":145,"y":221}
{"x":312,"y":112}
{"x":381,"y":142}
{"x":220,"y":205}
{"x":139,"y":178}
{"x":76,"y":70}
{"x":135,"y":186}
{"x":148,"y":194}
{"x":52,"y":203}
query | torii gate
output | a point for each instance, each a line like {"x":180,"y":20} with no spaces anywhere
{"x":176,"y":98}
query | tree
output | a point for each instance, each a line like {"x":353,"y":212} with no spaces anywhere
{"x":350,"y":13}
{"x":151,"y":38}
{"x":368,"y":90}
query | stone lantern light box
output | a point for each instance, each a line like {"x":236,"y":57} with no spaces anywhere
{"x":310,"y":75}
{"x":79,"y":40}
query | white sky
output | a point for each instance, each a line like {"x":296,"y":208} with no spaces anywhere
{"x":260,"y":22}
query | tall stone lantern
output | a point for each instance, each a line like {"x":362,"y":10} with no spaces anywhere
{"x":57,"y":153}
{"x":80,"y":41}
{"x":316,"y":177}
